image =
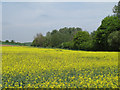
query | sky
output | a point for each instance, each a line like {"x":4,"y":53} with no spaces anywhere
{"x":59,"y":0}
{"x":0,"y":21}
{"x":21,"y":21}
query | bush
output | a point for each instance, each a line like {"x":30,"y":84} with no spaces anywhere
{"x":108,"y":25}
{"x":87,"y":45}
{"x":80,"y":38}
{"x":114,"y":41}
{"x":67,"y":45}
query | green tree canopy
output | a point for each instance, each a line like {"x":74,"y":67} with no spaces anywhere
{"x":79,"y":38}
{"x":116,"y":9}
{"x":56,"y":37}
{"x":7,"y":41}
{"x":108,"y":25}
{"x":114,"y":40}
{"x":12,"y":41}
{"x":38,"y":40}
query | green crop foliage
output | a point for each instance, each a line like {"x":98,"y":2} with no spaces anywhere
{"x":27,"y":67}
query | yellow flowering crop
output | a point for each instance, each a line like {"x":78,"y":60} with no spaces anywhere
{"x":28,"y":67}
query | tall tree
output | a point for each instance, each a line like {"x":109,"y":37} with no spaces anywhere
{"x":108,"y":25}
{"x":116,"y":9}
{"x":114,"y":40}
{"x":80,"y":38}
{"x":12,"y":41}
{"x":56,"y":37}
{"x":38,"y":40}
{"x":119,"y":9}
{"x":7,"y":41}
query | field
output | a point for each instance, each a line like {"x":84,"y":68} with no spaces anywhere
{"x":24,"y":67}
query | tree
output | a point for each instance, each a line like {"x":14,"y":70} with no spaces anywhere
{"x":80,"y":38}
{"x":114,"y":40}
{"x":116,"y":9}
{"x":67,"y":45}
{"x":38,"y":40}
{"x":69,"y":32}
{"x":47,"y":40}
{"x":88,"y":45}
{"x":7,"y":41}
{"x":12,"y":41}
{"x":53,"y":32}
{"x":108,"y":25}
{"x":56,"y":37}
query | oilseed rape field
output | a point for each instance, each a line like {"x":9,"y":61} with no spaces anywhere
{"x":29,"y":67}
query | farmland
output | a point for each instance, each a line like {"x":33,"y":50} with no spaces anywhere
{"x":28,"y":67}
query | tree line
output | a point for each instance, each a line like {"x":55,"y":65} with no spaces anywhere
{"x":12,"y":42}
{"x":105,"y":38}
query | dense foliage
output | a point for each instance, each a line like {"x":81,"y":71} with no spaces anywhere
{"x":109,"y":25}
{"x":75,"y":38}
{"x":56,"y":37}
{"x":104,"y":38}
{"x":116,"y":10}
{"x":80,"y":39}
{"x":114,"y":40}
{"x":12,"y":42}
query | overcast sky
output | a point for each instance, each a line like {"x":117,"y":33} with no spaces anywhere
{"x":22,"y":21}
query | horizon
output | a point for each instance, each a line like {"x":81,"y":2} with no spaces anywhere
{"x":22,"y":21}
